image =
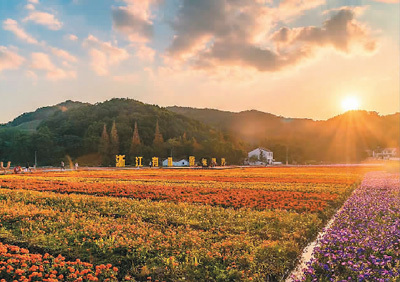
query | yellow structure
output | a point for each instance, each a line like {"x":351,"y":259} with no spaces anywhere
{"x":170,"y":163}
{"x":154,"y":161}
{"x":204,"y":162}
{"x":4,"y":169}
{"x":139,"y":161}
{"x":191,"y":161}
{"x":214,"y":161}
{"x":120,"y":160}
{"x":223,"y":162}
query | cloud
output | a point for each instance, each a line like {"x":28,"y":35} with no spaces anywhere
{"x":134,"y":20}
{"x":72,"y":37}
{"x":104,"y":54}
{"x":41,"y":61}
{"x":63,"y":54}
{"x":342,"y":32}
{"x":202,"y":25}
{"x":43,"y":18}
{"x":290,"y":8}
{"x":211,"y":34}
{"x":145,"y":53}
{"x":30,"y":7}
{"x":12,"y":25}
{"x":9,"y":59}
{"x":33,"y":1}
{"x":388,"y":1}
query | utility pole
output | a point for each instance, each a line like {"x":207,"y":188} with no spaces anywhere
{"x":35,"y":159}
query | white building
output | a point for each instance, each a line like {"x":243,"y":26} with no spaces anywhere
{"x":180,"y":163}
{"x":260,"y":156}
{"x":385,"y":154}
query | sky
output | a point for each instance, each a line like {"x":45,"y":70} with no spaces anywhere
{"x":293,"y":58}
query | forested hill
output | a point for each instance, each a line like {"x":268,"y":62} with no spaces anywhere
{"x":344,"y":138}
{"x":93,"y":134}
{"x":31,"y":120}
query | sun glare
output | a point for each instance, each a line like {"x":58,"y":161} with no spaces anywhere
{"x":350,"y":104}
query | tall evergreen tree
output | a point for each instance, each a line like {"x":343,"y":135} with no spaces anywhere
{"x":135,"y":144}
{"x":158,"y":143}
{"x":104,"y":146}
{"x":158,"y":138}
{"x":114,"y":145}
{"x":136,"y":137}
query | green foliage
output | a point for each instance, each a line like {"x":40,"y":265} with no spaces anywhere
{"x":165,"y":241}
{"x":344,"y":138}
{"x":114,"y":141}
{"x":104,"y":147}
{"x":77,"y":129}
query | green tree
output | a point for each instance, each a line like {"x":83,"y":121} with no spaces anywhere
{"x":158,"y":138}
{"x":135,"y":144}
{"x":104,"y":146}
{"x":43,"y":143}
{"x":158,"y":143}
{"x":114,"y":144}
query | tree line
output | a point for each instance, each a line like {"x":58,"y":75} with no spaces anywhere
{"x":94,"y":134}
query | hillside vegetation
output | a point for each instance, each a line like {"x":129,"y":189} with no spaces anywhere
{"x":344,"y":138}
{"x":94,"y":134}
{"x":98,"y":132}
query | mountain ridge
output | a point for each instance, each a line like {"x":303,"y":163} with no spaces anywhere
{"x":74,"y":128}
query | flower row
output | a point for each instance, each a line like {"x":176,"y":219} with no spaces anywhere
{"x":161,"y":240}
{"x":17,"y":264}
{"x":316,"y":195}
{"x":363,"y":243}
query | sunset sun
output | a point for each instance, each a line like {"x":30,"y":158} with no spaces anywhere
{"x":350,"y":104}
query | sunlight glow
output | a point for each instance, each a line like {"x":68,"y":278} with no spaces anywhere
{"x":350,"y":104}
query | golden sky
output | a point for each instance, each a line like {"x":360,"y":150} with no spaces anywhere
{"x":291,"y":58}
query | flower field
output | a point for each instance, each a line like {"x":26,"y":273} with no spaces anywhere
{"x":175,"y":225}
{"x":17,"y":264}
{"x":364,"y":242}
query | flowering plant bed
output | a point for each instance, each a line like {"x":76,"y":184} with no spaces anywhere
{"x":17,"y":264}
{"x":182,"y":225}
{"x":363,"y":243}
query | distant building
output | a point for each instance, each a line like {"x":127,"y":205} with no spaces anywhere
{"x":180,"y":163}
{"x":385,"y":154}
{"x":260,"y":156}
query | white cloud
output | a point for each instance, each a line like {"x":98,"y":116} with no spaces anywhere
{"x":63,"y":54}
{"x":104,"y":54}
{"x":41,"y":61}
{"x":30,"y":7}
{"x":134,"y":20}
{"x":9,"y":59}
{"x":12,"y":25}
{"x":58,"y":74}
{"x":43,"y":18}
{"x":145,"y":53}
{"x":33,"y":1}
{"x":72,"y":37}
